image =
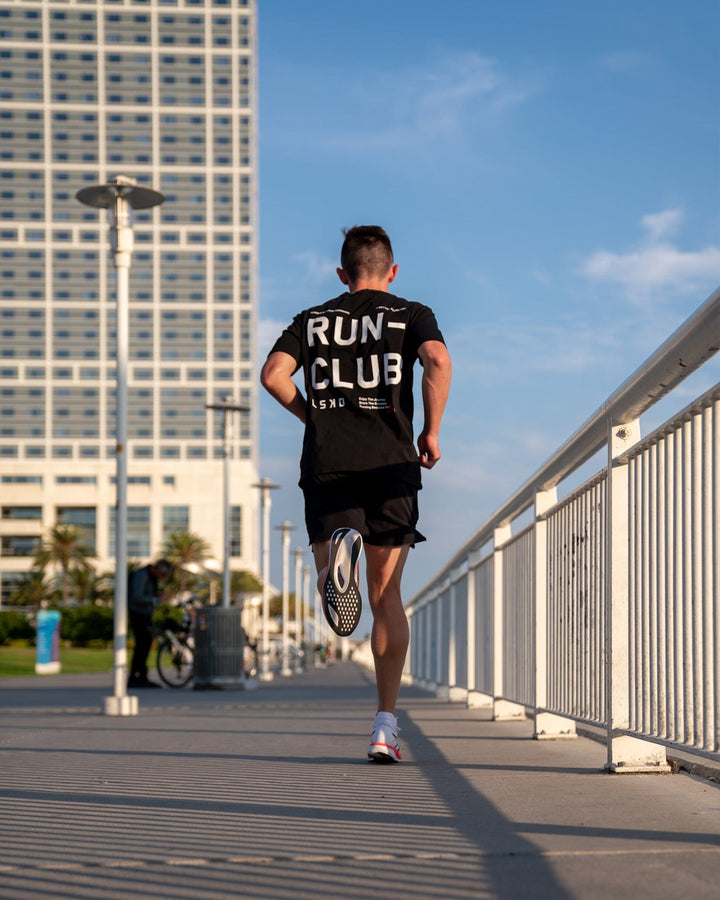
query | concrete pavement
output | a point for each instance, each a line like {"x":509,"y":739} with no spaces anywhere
{"x":267,"y":794}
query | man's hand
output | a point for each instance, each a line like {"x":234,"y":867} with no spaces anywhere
{"x":429,"y":450}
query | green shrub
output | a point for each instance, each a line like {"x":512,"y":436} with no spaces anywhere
{"x":89,"y":623}
{"x":167,"y":616}
{"x":15,"y":626}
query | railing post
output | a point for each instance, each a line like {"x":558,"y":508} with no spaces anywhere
{"x":502,"y":709}
{"x":625,"y":753}
{"x":451,"y":640}
{"x":475,"y":699}
{"x":442,"y":688}
{"x":548,"y":726}
{"x":430,"y":677}
{"x":470,"y":616}
{"x":457,"y":693}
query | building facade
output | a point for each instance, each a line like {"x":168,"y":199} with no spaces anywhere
{"x":162,"y":91}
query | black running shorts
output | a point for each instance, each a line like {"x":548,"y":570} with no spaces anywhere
{"x":381,"y":505}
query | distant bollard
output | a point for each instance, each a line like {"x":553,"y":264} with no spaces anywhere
{"x":47,"y":656}
{"x":219,"y":649}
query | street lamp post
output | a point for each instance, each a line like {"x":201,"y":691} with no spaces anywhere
{"x":285,"y":529}
{"x":120,"y":197}
{"x":306,"y":595}
{"x":227,"y":408}
{"x":298,"y":604}
{"x":265,"y":486}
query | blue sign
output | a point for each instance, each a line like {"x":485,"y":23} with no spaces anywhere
{"x":47,"y":657}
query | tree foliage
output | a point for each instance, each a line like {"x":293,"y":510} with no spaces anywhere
{"x":64,"y":547}
{"x":33,"y":589}
{"x":184,"y":549}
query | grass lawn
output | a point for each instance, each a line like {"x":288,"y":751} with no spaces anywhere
{"x":21,"y":660}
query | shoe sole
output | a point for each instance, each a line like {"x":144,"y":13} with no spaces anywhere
{"x":341,"y":601}
{"x":384,"y":755}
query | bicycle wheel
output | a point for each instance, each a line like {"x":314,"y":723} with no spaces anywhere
{"x":174,"y":664}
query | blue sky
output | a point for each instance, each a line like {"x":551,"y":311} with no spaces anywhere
{"x":549,"y":175}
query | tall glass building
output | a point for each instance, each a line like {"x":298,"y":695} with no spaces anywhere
{"x":162,"y":91}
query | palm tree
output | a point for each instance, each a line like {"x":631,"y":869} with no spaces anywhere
{"x":183,"y":548}
{"x":86,"y":585}
{"x":65,"y":547}
{"x":244,"y":582}
{"x":31,"y":590}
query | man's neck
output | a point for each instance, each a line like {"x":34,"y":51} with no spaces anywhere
{"x":368,"y":284}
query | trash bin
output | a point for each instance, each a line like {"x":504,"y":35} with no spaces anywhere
{"x":219,"y":646}
{"x":47,"y":654}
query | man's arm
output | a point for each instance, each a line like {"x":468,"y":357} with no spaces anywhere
{"x":276,"y":378}
{"x":437,"y":372}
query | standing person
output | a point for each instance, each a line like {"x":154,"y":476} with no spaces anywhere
{"x":143,"y":595}
{"x":359,"y":469}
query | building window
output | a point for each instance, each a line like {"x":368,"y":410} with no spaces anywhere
{"x":175,"y":519}
{"x":8,"y":583}
{"x":138,"y":536}
{"x":19,"y":545}
{"x":24,"y":513}
{"x":235,"y":531}
{"x":83,"y":517}
{"x":21,"y":479}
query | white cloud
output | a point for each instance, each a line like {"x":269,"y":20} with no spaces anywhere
{"x":662,"y":224}
{"x":315,"y":269}
{"x":656,"y":265}
{"x":521,"y":346}
{"x":438,"y":102}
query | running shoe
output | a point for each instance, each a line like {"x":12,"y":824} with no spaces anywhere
{"x":341,"y":601}
{"x":384,"y":747}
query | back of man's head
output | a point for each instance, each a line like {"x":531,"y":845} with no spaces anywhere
{"x":366,"y":251}
{"x":163,"y":567}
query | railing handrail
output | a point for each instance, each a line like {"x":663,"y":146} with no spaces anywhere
{"x":685,"y":351}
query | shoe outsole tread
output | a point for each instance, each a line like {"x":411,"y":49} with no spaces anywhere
{"x":341,"y":600}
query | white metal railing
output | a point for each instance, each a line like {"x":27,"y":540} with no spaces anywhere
{"x":605,"y":609}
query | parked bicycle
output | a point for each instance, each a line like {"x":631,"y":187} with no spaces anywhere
{"x":176,"y":649}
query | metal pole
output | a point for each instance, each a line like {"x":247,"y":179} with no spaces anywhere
{"x":122,"y":246}
{"x":265,"y":486}
{"x":265,"y":673}
{"x":226,"y":407}
{"x":298,"y":605}
{"x":119,"y":197}
{"x":227,"y":437}
{"x":318,"y":626}
{"x":308,"y":606}
{"x":285,"y":529}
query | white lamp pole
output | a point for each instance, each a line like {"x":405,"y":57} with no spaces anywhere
{"x":226,"y":407}
{"x":265,"y":486}
{"x":285,"y":529}
{"x":307,"y":604}
{"x":298,"y":605}
{"x":120,"y":196}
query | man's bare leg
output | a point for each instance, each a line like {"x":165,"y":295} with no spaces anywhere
{"x":390,"y":632}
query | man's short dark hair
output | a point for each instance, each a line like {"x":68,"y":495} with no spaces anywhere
{"x":163,"y":566}
{"x":366,"y":250}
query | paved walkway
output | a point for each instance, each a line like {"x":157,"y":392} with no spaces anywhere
{"x":266,"y":794}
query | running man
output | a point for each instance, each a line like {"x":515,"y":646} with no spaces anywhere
{"x":360,"y":468}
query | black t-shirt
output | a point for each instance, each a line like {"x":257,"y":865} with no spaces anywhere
{"x":357,"y":353}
